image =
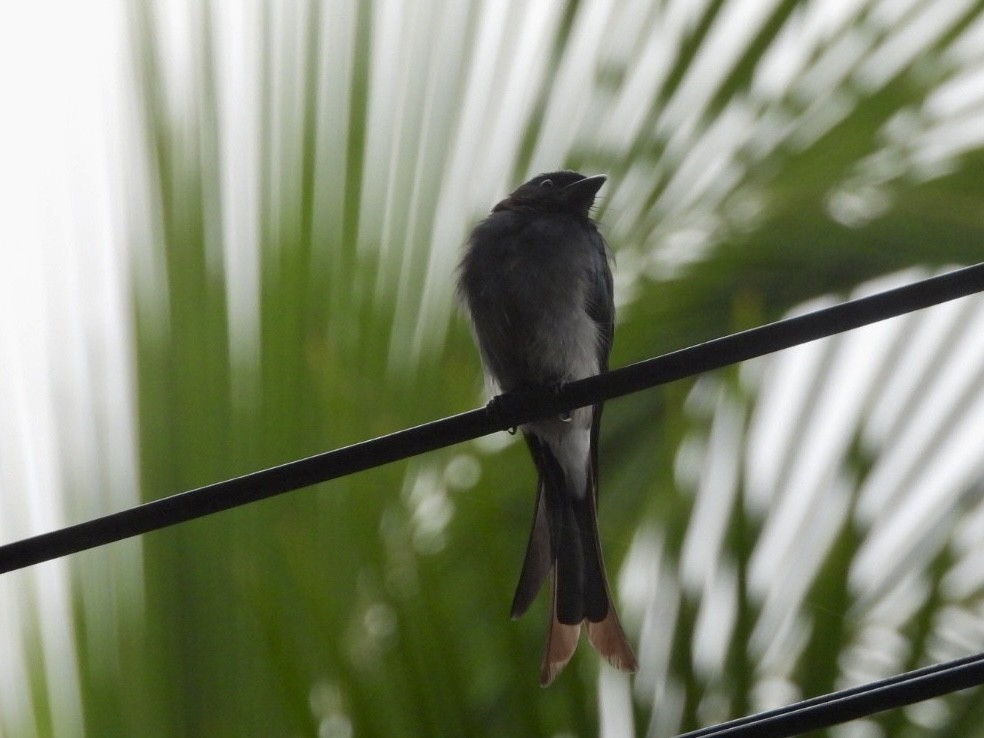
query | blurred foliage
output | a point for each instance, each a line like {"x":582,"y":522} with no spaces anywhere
{"x":377,"y":604}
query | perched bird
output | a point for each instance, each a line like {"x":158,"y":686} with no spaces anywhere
{"x":536,"y":282}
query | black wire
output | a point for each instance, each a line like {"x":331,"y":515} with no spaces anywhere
{"x":505,"y":411}
{"x":856,"y":702}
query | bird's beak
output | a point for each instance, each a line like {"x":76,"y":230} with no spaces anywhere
{"x":588,"y":184}
{"x":584,"y":190}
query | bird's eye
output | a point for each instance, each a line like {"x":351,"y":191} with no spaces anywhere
{"x":548,"y":183}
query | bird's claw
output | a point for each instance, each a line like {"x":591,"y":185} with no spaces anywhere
{"x":507,"y":408}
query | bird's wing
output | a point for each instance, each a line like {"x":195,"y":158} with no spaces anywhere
{"x":601,"y":309}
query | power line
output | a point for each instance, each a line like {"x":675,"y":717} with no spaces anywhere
{"x":505,"y":411}
{"x":856,"y":702}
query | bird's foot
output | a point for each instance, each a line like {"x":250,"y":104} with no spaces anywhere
{"x":553,"y":390}
{"x":511,"y":409}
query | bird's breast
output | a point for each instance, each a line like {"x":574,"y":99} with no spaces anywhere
{"x":533,"y":292}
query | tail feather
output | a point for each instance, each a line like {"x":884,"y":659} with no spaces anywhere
{"x":565,"y":539}
{"x":541,"y":549}
{"x":610,"y":642}
{"x":569,"y":571}
{"x":601,"y":620}
{"x":561,"y":643}
{"x":595,"y":599}
{"x":538,"y":561}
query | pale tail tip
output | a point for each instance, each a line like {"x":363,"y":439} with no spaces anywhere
{"x":561,"y":644}
{"x":622,"y":662}
{"x":610,"y":642}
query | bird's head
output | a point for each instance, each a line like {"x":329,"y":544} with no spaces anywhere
{"x":555,"y":192}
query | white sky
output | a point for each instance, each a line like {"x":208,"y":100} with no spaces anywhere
{"x":64,"y":372}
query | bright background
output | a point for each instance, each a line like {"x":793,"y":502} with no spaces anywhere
{"x":229,"y":232}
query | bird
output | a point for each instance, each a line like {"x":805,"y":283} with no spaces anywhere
{"x":536,"y":281}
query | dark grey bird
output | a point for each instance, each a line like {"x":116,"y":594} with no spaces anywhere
{"x":537,"y":284}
